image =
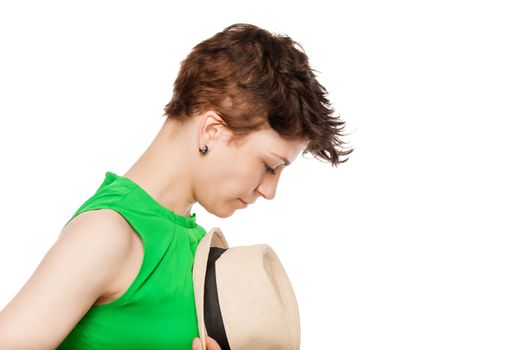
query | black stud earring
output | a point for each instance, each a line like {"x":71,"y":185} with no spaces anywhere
{"x":203,"y":150}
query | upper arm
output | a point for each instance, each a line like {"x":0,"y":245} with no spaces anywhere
{"x":74,"y":272}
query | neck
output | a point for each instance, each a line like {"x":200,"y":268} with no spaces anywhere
{"x":163,"y":170}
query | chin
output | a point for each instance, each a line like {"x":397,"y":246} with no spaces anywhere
{"x":223,"y":215}
{"x":224,"y":211}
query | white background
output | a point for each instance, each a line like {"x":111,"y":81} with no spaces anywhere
{"x":415,"y":243}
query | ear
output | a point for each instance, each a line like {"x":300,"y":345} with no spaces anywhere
{"x":212,"y":127}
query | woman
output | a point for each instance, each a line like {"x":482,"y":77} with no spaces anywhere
{"x":245,"y":104}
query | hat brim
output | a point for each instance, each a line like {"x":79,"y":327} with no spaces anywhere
{"x":214,"y":238}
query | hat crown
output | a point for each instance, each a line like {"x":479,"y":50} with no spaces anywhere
{"x":253,"y":283}
{"x":256,"y":300}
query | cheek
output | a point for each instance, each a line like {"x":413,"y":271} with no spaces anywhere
{"x":237,"y":186}
{"x":229,"y":183}
{"x":234,"y":188}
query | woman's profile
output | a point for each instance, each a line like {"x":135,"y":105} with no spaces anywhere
{"x":245,"y":105}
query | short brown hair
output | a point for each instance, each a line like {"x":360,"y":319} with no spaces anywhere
{"x":254,"y":79}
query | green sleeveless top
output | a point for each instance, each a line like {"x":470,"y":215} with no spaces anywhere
{"x":158,"y":310}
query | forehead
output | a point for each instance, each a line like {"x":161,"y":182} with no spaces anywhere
{"x":269,"y":141}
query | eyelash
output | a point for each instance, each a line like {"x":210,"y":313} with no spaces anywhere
{"x":269,"y":170}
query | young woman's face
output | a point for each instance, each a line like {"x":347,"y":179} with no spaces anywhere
{"x":242,"y":173}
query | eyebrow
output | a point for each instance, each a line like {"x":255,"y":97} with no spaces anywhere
{"x":286,"y":162}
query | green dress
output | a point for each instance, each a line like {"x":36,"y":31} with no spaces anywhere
{"x":158,"y":310}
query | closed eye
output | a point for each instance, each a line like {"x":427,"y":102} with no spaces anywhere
{"x":269,"y":169}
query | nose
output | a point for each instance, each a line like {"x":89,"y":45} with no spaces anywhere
{"x":268,"y":187}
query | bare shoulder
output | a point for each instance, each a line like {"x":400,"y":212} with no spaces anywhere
{"x":107,"y":229}
{"x":78,"y":268}
{"x":115,"y":225}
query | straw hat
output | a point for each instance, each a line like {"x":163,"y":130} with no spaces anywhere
{"x":243,"y":297}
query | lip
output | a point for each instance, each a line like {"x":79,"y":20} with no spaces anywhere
{"x":245,"y":204}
